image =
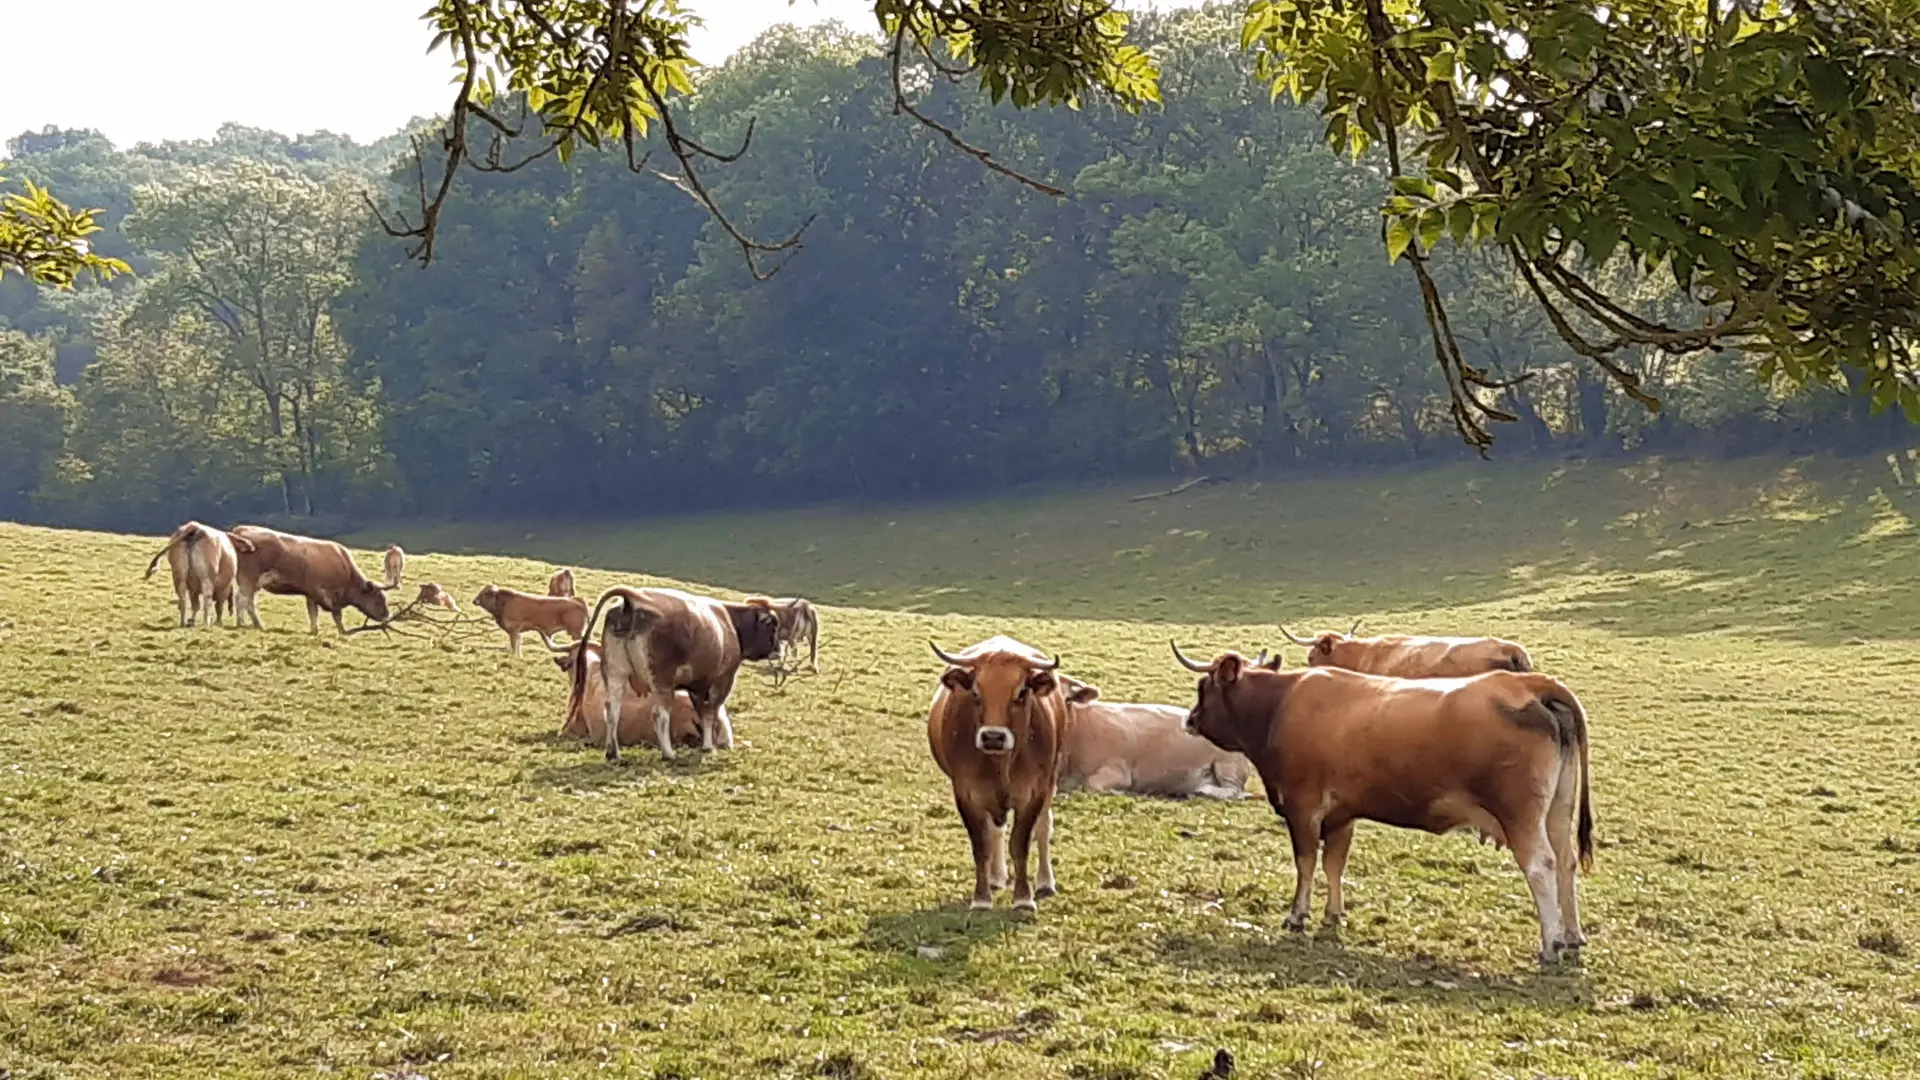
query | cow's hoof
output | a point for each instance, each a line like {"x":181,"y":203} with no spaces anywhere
{"x":1295,"y":922}
{"x":981,"y":904}
{"x":1043,"y":891}
{"x":1550,"y":956}
{"x":613,"y":755}
{"x":1574,"y":943}
{"x":1025,"y":903}
{"x":1333,"y":920}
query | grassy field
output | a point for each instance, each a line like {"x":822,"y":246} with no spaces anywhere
{"x":237,"y":854}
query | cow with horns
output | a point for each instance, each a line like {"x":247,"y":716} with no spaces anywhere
{"x":1411,"y":657}
{"x":996,"y":730}
{"x":1503,"y":753}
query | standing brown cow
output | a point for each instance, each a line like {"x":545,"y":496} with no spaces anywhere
{"x":319,"y":570}
{"x":1503,"y":753}
{"x":1409,"y":656}
{"x":996,"y":728}
{"x":204,"y":561}
{"x":519,"y":613}
{"x":797,"y":623}
{"x":396,"y":566}
{"x":561,"y":583}
{"x":666,"y":640}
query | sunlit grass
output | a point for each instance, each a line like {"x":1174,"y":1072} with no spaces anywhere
{"x":240,"y":854}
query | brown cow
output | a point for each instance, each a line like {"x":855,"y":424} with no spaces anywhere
{"x":1504,"y":753}
{"x":1125,"y":747}
{"x":797,"y":622}
{"x":432,"y":595}
{"x":586,"y":719}
{"x":996,"y":730}
{"x":319,"y":570}
{"x":396,"y":566}
{"x":666,"y":640}
{"x":517,"y":613}
{"x":561,"y":583}
{"x":1410,"y":657}
{"x":203,"y":560}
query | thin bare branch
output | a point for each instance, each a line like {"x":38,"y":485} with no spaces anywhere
{"x":895,"y":56}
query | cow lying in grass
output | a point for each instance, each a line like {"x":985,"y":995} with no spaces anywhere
{"x":1409,"y":656}
{"x":586,"y":718}
{"x":1123,"y":747}
{"x":1504,"y":753}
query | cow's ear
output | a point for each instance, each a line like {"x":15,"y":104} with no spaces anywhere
{"x":1080,"y":693}
{"x":1272,"y":664}
{"x":1227,"y":668}
{"x":957,"y":678}
{"x":1042,"y":683}
{"x":1326,"y":642}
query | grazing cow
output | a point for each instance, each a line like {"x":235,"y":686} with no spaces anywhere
{"x":797,"y":622}
{"x":666,"y":640}
{"x":396,"y":566}
{"x":203,"y":560}
{"x":319,"y":570}
{"x":1504,"y":753}
{"x":586,"y":718}
{"x":1124,"y":747}
{"x":517,"y":613}
{"x":432,"y":595}
{"x":1408,"y":657}
{"x":561,"y":583}
{"x":996,"y":730}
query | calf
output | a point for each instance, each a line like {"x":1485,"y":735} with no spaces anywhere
{"x":204,"y":561}
{"x":1504,"y":753}
{"x":1124,"y":747}
{"x":797,"y":621}
{"x":996,"y":730}
{"x":1410,"y":657}
{"x":321,"y":571}
{"x":586,"y":718}
{"x":665,"y":640}
{"x":561,"y":583}
{"x":517,"y":613}
{"x":396,"y":566}
{"x":432,"y":595}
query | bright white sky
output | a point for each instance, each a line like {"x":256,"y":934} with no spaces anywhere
{"x":178,"y":69}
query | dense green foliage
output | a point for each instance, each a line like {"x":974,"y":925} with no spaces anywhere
{"x":1214,"y":297}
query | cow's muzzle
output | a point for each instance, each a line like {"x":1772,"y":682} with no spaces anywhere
{"x":993,"y":740}
{"x":1189,"y":726}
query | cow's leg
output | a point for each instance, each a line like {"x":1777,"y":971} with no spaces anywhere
{"x":997,"y":859}
{"x":616,"y":667}
{"x":339,"y":624}
{"x":313,"y":615}
{"x":1304,"y":831}
{"x":661,"y":706}
{"x":249,"y":605}
{"x":206,"y":602}
{"x":1109,"y":779}
{"x":813,"y":647}
{"x":183,"y":598}
{"x":1024,"y":822}
{"x":1043,"y":885}
{"x":513,"y":643}
{"x":1338,"y":839}
{"x":1534,"y":852}
{"x":984,"y":836}
{"x":716,"y":727}
{"x":1561,"y":820}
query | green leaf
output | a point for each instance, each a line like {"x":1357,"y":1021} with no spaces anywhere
{"x":1440,"y":67}
{"x":1399,"y":237}
{"x":1433,"y":226}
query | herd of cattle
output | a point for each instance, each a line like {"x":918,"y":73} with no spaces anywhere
{"x":1428,"y":733}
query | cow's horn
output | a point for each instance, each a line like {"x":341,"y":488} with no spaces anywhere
{"x":944,"y":655}
{"x":1355,"y":626}
{"x":1186,"y":661}
{"x":1050,"y":666}
{"x":1262,"y":660}
{"x":1296,"y":640}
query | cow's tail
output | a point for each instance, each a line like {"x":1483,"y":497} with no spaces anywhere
{"x":185,"y":534}
{"x":1572,"y":723}
{"x":577,"y":687}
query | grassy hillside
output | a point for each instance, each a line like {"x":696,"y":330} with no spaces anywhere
{"x":241,"y":854}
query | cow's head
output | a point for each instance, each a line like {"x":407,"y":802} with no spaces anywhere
{"x":488,"y":600}
{"x":563,"y":657}
{"x":1322,"y":651}
{"x":1215,"y":716}
{"x":561,"y":583}
{"x":758,"y":629}
{"x":1077,"y":692}
{"x":371,"y":599}
{"x":1011,"y":695}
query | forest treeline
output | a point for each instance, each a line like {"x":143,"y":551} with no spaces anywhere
{"x":1213,"y":296}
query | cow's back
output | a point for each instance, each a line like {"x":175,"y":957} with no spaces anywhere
{"x":1160,"y":756}
{"x":688,"y":632}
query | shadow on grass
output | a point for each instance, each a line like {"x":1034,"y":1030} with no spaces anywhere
{"x":926,"y":945}
{"x":1321,"y":958}
{"x":592,"y":770}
